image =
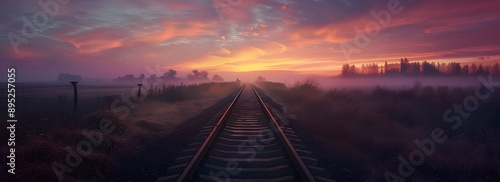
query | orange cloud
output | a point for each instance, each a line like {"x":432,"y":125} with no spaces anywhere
{"x":95,"y":40}
{"x":101,"y":39}
{"x":28,"y":54}
{"x":222,"y":52}
{"x":93,"y":46}
{"x":172,"y":30}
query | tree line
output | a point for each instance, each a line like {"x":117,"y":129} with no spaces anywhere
{"x":170,"y":75}
{"x":405,"y":67}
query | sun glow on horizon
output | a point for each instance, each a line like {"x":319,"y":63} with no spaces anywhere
{"x":300,"y":37}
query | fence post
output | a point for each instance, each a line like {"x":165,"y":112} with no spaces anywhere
{"x":75,"y":99}
{"x":139,"y":92}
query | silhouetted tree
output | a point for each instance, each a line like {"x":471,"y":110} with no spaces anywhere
{"x":170,"y":74}
{"x":453,"y":68}
{"x":465,"y":69}
{"x":141,"y":77}
{"x":405,"y":65}
{"x":126,"y":78}
{"x":480,"y":70}
{"x":369,"y":69}
{"x":260,"y":79}
{"x":204,"y":75}
{"x":496,"y":69}
{"x":352,"y":70}
{"x":217,"y":78}
{"x":429,"y":69}
{"x":473,"y":68}
{"x":487,"y":69}
{"x":153,"y":78}
{"x":348,"y":70}
{"x":198,"y":75}
{"x":345,"y":69}
{"x":426,"y":68}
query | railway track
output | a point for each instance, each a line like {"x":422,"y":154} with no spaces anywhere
{"x":246,"y":143}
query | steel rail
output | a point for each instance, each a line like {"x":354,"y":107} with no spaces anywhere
{"x":304,"y":173}
{"x":193,"y":164}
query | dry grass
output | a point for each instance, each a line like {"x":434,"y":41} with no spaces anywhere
{"x":375,"y":126}
{"x":42,"y":142}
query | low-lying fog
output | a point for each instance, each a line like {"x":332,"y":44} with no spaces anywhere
{"x":397,"y":82}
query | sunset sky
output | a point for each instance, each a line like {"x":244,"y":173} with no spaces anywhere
{"x":241,"y":38}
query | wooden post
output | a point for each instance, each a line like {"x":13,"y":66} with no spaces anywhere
{"x":75,"y":99}
{"x":139,"y":92}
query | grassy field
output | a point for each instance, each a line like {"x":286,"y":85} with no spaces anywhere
{"x":51,"y":145}
{"x":376,"y":126}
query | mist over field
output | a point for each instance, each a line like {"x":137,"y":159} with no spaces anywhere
{"x":399,"y":82}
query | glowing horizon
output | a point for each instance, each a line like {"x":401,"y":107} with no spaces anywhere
{"x":113,"y":38}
